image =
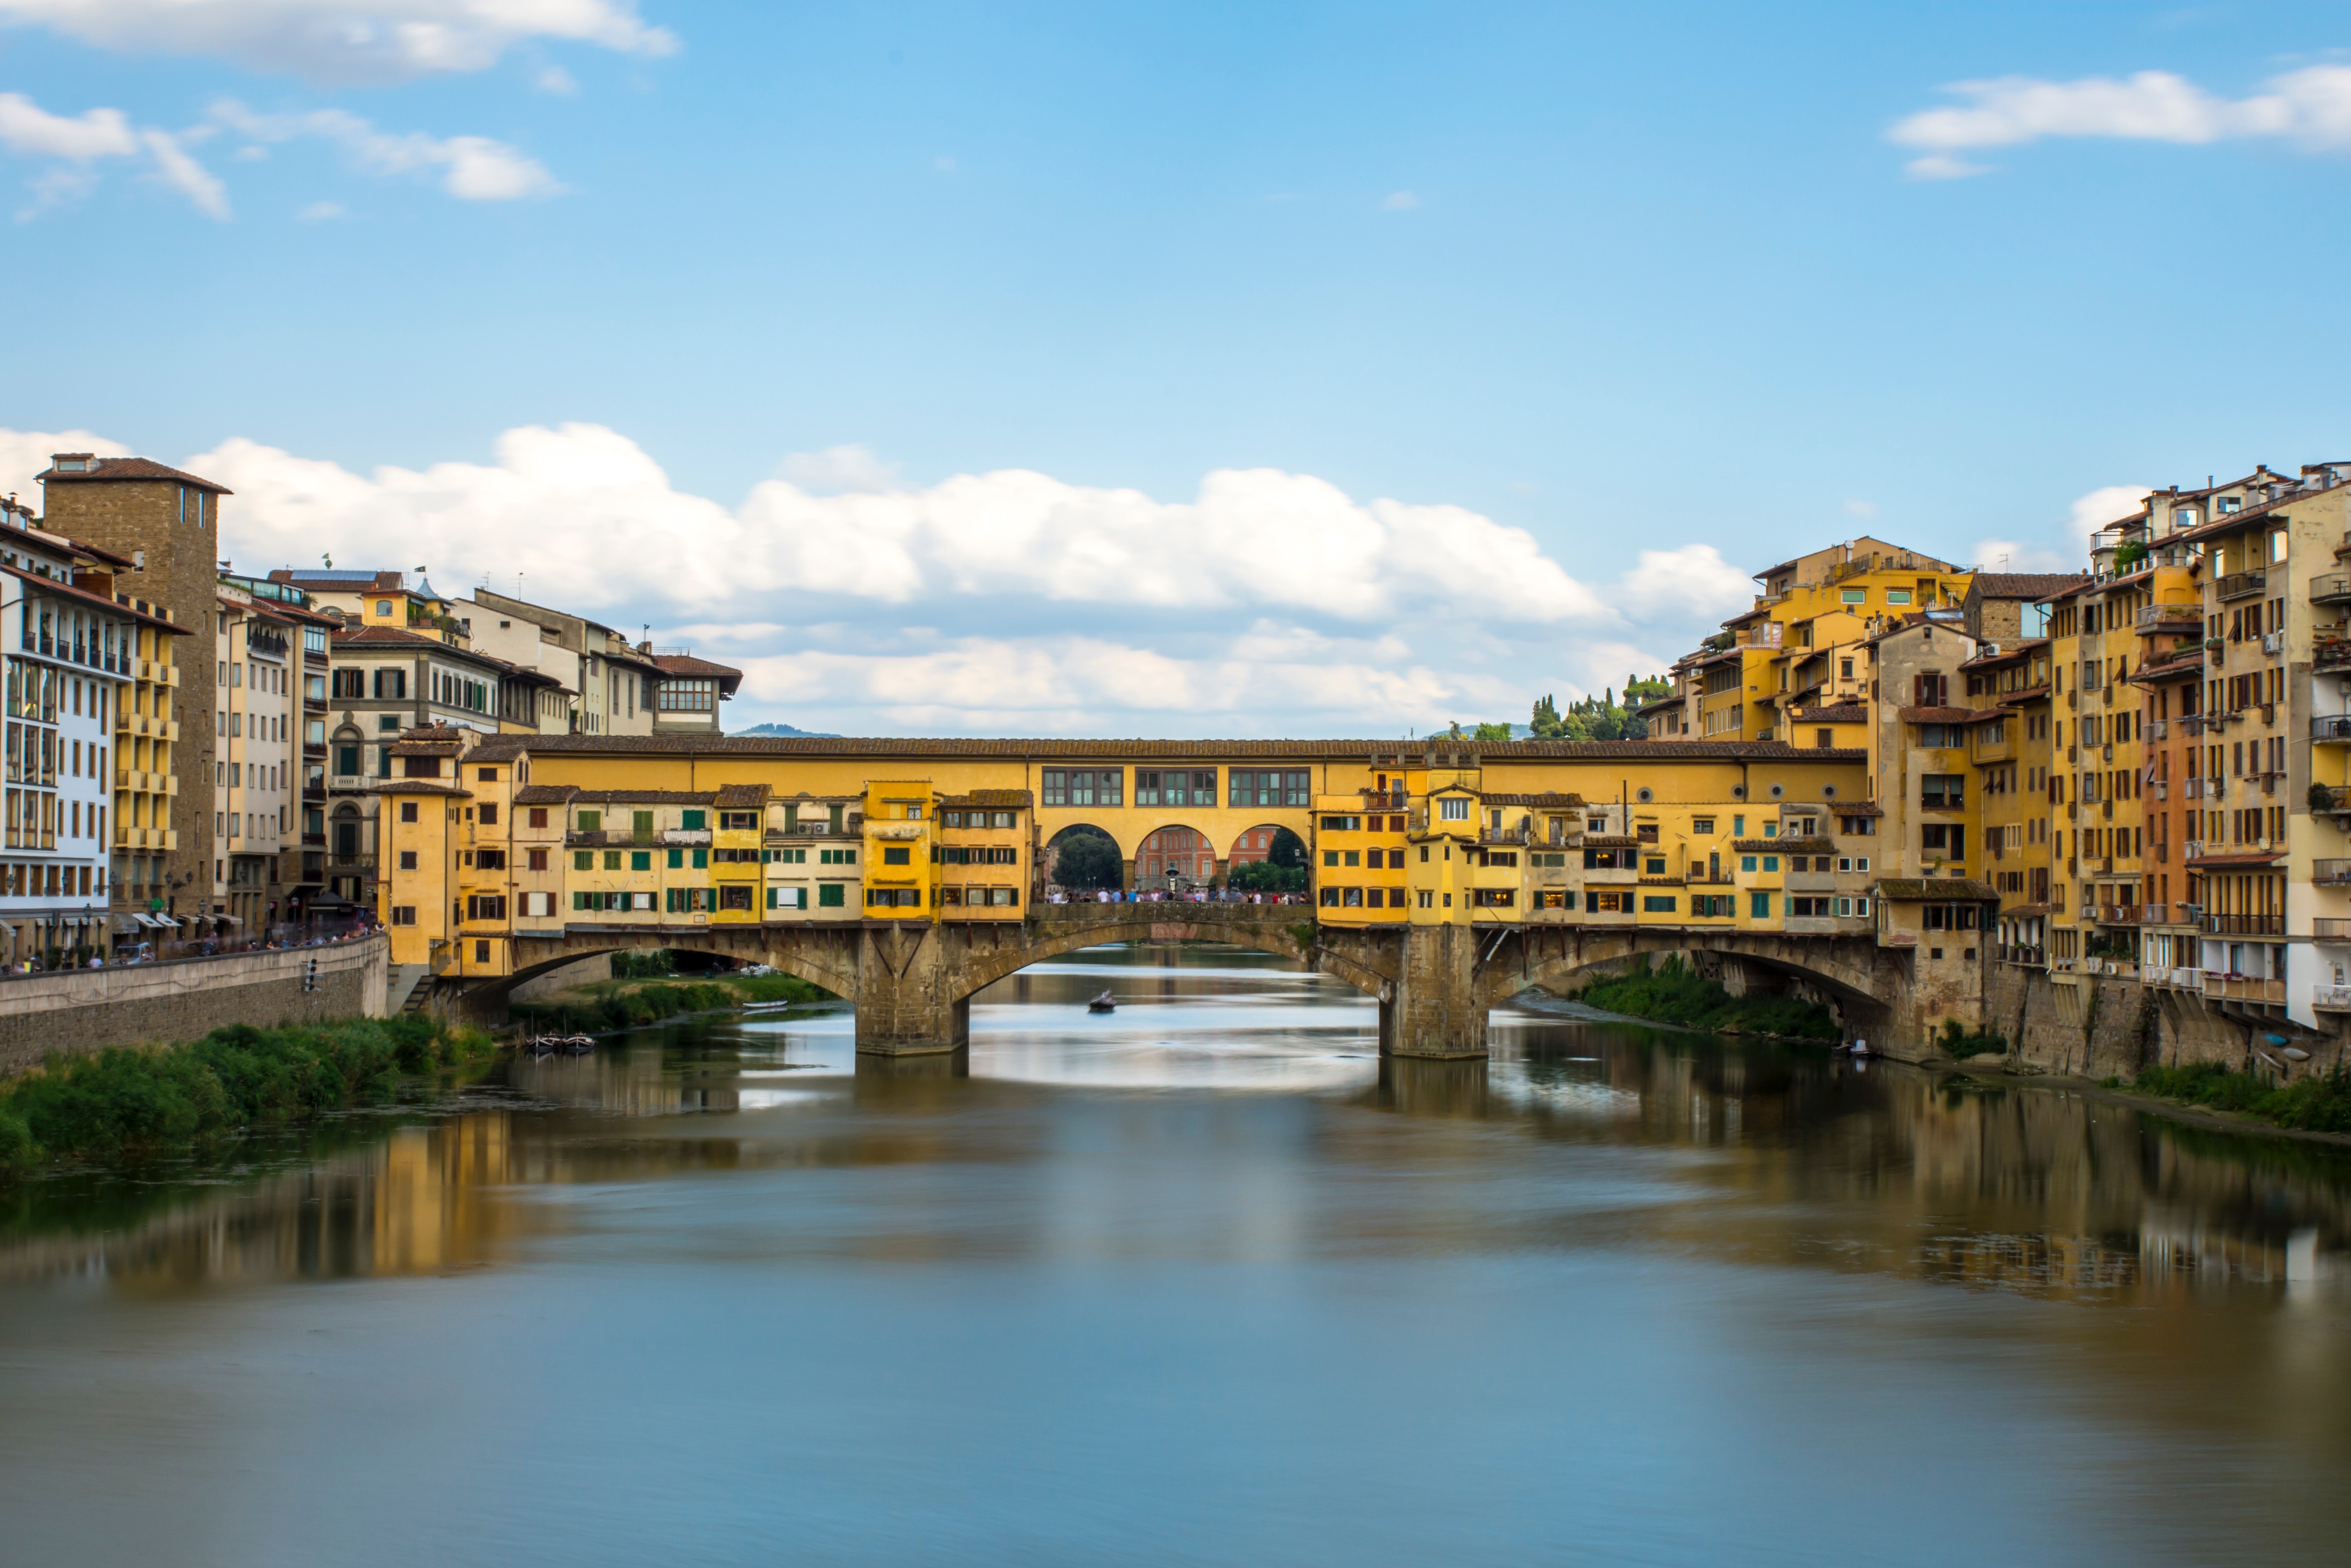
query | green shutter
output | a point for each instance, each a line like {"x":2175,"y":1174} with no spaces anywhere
{"x":583,"y":859}
{"x":591,"y":821}
{"x":696,"y":821}
{"x":641,"y":859}
{"x":828,"y":897}
{"x":611,"y":860}
{"x":676,"y":859}
{"x":701,"y":859}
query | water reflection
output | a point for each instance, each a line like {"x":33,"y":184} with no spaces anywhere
{"x":1214,"y":1229}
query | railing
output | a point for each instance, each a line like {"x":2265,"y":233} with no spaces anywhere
{"x":2337,"y":872}
{"x":2019,"y":955}
{"x":2331,"y":928}
{"x":2119,"y":913}
{"x":2338,"y":799}
{"x":339,"y":861}
{"x":2331,"y":727}
{"x":2157,"y":728}
{"x":2240,"y":988}
{"x":2158,"y":614}
{"x":2331,"y":653}
{"x":2240,"y":584}
{"x":2332,"y":589}
{"x":2244,"y":925}
{"x":2183,"y":979}
{"x":2331,"y":998}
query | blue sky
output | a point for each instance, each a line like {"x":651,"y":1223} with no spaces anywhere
{"x":1190,"y":370}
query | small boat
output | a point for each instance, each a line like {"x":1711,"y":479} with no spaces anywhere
{"x":562,"y":1045}
{"x":1861,"y":1047}
{"x":1105,"y":1003}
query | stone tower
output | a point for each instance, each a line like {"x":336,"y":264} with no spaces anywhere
{"x":168,"y":524}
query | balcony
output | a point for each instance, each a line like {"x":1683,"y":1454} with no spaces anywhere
{"x":2334,"y":727}
{"x":2172,"y":978}
{"x":2331,"y":653}
{"x":2170,"y":617}
{"x":2332,"y":873}
{"x":2330,"y":928}
{"x":2018,"y":954}
{"x":2338,"y":799}
{"x":2241,"y":584}
{"x":2244,"y":925}
{"x":2118,"y":913}
{"x":2240,"y":989}
{"x":2334,"y":588}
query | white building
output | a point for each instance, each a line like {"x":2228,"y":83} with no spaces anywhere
{"x":256,"y":755}
{"x":70,"y":651}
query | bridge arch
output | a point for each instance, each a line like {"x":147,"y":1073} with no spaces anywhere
{"x":1295,"y":937}
{"x":1866,"y":985}
{"x":830,"y":963}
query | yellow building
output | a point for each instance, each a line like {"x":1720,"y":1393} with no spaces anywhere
{"x":902,"y":873}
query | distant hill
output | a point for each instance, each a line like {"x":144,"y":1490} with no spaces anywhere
{"x":785,"y":730}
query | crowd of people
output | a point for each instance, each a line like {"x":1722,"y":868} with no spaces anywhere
{"x":278,"y":939}
{"x":1161,"y":895}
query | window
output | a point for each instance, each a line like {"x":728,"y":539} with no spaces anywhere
{"x":1942,"y":792}
{"x":1712,"y":907}
{"x":787,"y":898}
{"x":1084,"y":786}
{"x":1701,"y":824}
{"x":611,"y":860}
{"x":641,"y":859}
{"x":734,"y":895}
{"x":830,"y":897}
{"x":681,"y":696}
{"x":1898,"y":596}
{"x":591,"y":821}
{"x":1938,"y":735}
{"x":487,"y":775}
{"x":1853,"y":596}
{"x":691,"y":821}
{"x":489,"y":813}
{"x":1771,"y":863}
{"x":486,"y":906}
{"x":1653,"y":866}
{"x":404,"y":915}
{"x":836,"y":857}
{"x":408,"y":811}
{"x":1268,"y":787}
{"x":408,"y":860}
{"x":538,"y":860}
{"x":347,"y":761}
{"x":677,"y":860}
{"x":893,"y":897}
{"x":1658,"y":904}
{"x":1949,"y":840}
{"x":1170,"y":787}
{"x":1808,"y":908}
{"x":1453,"y":809}
{"x":739,"y":821}
{"x":1759,"y":906}
{"x":896,"y":854}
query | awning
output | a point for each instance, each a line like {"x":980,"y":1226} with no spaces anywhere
{"x":124,"y":923}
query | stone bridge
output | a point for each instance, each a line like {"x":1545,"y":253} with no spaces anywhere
{"x":912,"y":982}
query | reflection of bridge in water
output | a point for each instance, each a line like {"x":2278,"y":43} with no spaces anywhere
{"x":911,"y":983}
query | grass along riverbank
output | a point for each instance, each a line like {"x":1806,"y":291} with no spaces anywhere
{"x":2320,"y":1103}
{"x":630,"y":1004}
{"x":231,"y":1079}
{"x":1675,"y":993}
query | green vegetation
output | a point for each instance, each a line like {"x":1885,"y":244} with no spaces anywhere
{"x":1678,"y":995}
{"x":2319,"y":1104}
{"x":2130,"y":553}
{"x":644,"y":964}
{"x":232,"y":1079}
{"x":1086,"y":857}
{"x":623,"y":1005}
{"x":1958,"y":1042}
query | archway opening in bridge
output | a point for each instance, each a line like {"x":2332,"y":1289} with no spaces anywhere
{"x":1266,"y":858}
{"x":1083,"y":858}
{"x":1176,"y":858}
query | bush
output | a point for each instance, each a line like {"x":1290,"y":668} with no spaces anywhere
{"x":2319,"y":1104}
{"x":658,"y":963}
{"x":1678,"y":994}
{"x":1958,"y":1042}
{"x":231,"y":1078}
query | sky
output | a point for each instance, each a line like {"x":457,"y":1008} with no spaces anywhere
{"x":1166,"y":370}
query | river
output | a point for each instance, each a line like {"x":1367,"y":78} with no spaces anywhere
{"x":1199,"y":1282}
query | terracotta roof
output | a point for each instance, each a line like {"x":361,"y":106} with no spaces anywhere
{"x":686,"y":666}
{"x":342,"y":581}
{"x":742,"y":797}
{"x":545,"y":794}
{"x":2029,"y":694}
{"x":417,"y":787}
{"x":999,"y":800}
{"x":45,"y":538}
{"x":2227,"y":521}
{"x":2030,"y":909}
{"x":646,"y":797}
{"x":1857,"y":809}
{"x":1844,"y":712}
{"x":1793,"y":846}
{"x":1560,"y":798}
{"x":119,"y":468}
{"x":1958,"y":889}
{"x":1610,"y":842}
{"x":83,"y":595}
{"x":499,"y":748}
{"x":1048,"y":750}
{"x":2009,"y":652}
{"x":2243,"y":860}
{"x":2030,"y":586}
{"x":1940,"y":714}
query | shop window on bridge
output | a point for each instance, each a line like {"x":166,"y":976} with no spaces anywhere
{"x":897,"y":854}
{"x":1562,"y":898}
{"x":1502,"y":897}
{"x":686,"y":900}
{"x":1658,"y":904}
{"x":486,"y":906}
{"x":893,"y":897}
{"x":1084,"y":786}
{"x":1759,"y":906}
{"x":1608,"y":860}
{"x":1808,"y":908}
{"x":1951,"y":917}
{"x":787,"y":898}
{"x":1271,"y":787}
{"x":739,"y":821}
{"x":735,"y":897}
{"x":1170,"y":787}
{"x":832,"y":895}
{"x":1713,"y":906}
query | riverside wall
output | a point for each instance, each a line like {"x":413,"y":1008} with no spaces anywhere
{"x":80,"y":1011}
{"x":2102,"y":1026}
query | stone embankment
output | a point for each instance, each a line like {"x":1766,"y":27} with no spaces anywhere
{"x":82,"y":1010}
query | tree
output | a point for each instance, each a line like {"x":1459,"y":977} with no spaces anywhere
{"x":1086,"y":857}
{"x":1546,"y":722}
{"x":1287,"y":849}
{"x":1497,"y":733}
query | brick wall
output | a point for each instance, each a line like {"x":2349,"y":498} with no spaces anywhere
{"x":85,"y":1010}
{"x":2101,"y":1027}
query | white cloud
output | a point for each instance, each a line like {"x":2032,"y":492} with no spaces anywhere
{"x":854,"y":598}
{"x":2310,"y":107}
{"x":24,"y":453}
{"x":473,"y":168}
{"x":2086,"y":516}
{"x":1399,"y":202}
{"x":185,"y":175}
{"x":556,"y":80}
{"x":346,"y":40}
{"x":27,"y":129}
{"x":76,"y":142}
